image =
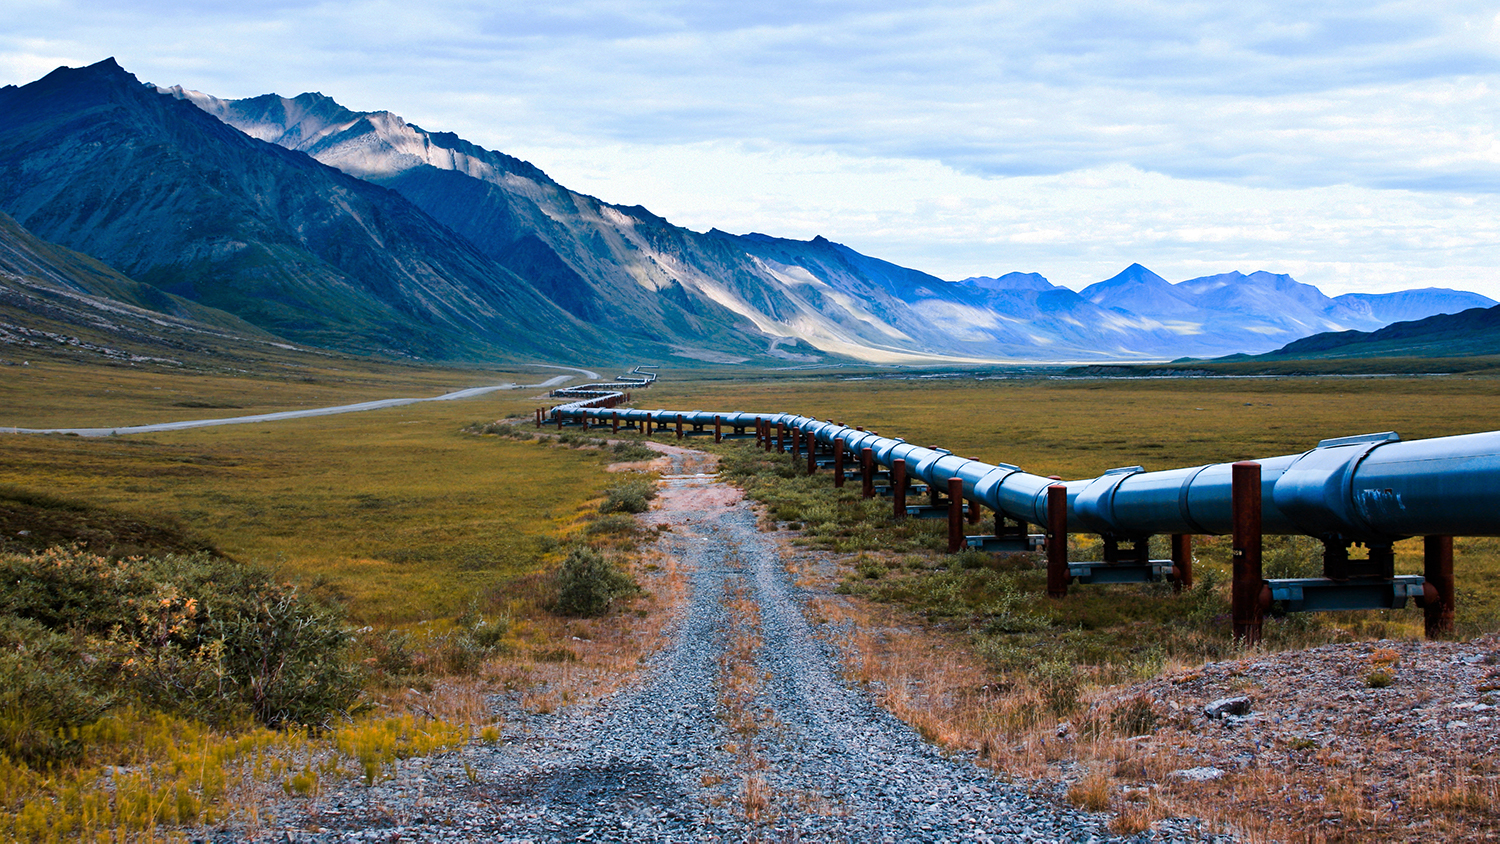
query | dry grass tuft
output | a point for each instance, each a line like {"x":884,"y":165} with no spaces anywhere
{"x":1092,"y":792}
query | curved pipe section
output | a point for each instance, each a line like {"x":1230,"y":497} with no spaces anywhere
{"x":1371,"y":488}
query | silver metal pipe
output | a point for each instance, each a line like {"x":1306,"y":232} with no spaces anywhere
{"x":1369,"y":488}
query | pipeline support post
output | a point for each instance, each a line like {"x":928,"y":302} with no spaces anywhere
{"x":616,"y":421}
{"x":1057,"y":541}
{"x":679,"y":426}
{"x":796,"y":444}
{"x":898,"y":487}
{"x":718,"y":429}
{"x":780,"y":437}
{"x":867,"y":471}
{"x":1437,"y":570}
{"x":838,"y":463}
{"x":1247,"y":583}
{"x":812,"y":457}
{"x":1182,"y":561}
{"x":558,"y":416}
{"x":955,"y":514}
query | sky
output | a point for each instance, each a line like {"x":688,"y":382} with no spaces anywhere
{"x":1354,"y":145}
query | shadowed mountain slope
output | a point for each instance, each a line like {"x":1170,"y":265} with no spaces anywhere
{"x":93,"y":160}
{"x":1472,"y":332}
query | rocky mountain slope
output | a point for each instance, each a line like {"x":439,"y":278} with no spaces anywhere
{"x":360,"y":231}
{"x":93,"y":160}
{"x":58,"y":304}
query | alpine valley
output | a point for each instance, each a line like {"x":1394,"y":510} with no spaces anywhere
{"x":276,"y":220}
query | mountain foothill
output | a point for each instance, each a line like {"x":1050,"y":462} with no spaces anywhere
{"x":151,"y":221}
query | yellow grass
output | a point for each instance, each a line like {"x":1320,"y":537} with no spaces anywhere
{"x":396,"y":512}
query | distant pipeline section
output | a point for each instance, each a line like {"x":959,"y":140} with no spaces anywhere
{"x":1368,"y":490}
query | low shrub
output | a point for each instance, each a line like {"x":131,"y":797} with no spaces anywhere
{"x":626,"y":450}
{"x":588,"y":583}
{"x":195,"y":635}
{"x":632,"y":496}
{"x":622,"y":524}
{"x":49,"y":686}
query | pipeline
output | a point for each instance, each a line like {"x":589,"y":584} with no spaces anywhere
{"x":635,"y":379}
{"x":1371,"y":489}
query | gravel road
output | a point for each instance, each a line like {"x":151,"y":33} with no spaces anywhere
{"x":740,"y":730}
{"x":378,"y":404}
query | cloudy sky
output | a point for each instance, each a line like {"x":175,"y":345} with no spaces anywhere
{"x":1355,"y":145}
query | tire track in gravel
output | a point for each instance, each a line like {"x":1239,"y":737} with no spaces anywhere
{"x":662,"y":761}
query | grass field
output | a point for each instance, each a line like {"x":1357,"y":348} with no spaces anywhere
{"x":396,"y":513}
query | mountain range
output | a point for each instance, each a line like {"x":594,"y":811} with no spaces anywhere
{"x":361,"y":232}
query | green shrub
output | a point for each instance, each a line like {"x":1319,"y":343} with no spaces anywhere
{"x":632,"y":496}
{"x":1011,"y":611}
{"x":195,"y":635}
{"x":614,"y":523}
{"x":49,"y":684}
{"x":626,"y":450}
{"x":588,"y":583}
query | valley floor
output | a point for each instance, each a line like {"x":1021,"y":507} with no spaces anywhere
{"x":742,"y":728}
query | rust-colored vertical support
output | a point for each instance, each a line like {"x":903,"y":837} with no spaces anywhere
{"x":796,"y":442}
{"x":867,"y":470}
{"x":780,"y":437}
{"x":1247,"y":582}
{"x":974,"y":512}
{"x":812,"y":454}
{"x":718,"y":429}
{"x":1057,"y":541}
{"x":679,"y":426}
{"x":558,"y":416}
{"x":898,"y":488}
{"x":1437,"y":568}
{"x":838,"y":463}
{"x":955,"y":515}
{"x":616,"y":421}
{"x":539,"y":417}
{"x":1182,"y":561}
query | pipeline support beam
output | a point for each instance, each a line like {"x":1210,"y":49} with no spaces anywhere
{"x":1247,"y":583}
